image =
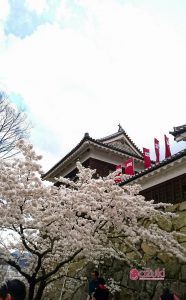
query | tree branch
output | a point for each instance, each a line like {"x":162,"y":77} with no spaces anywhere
{"x":59,"y":266}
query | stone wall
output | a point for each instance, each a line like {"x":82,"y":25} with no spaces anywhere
{"x":175,"y":270}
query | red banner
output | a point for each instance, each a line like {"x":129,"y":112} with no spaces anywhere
{"x":146,"y":156}
{"x":119,"y":173}
{"x":167,"y":147}
{"x":157,"y":150}
{"x":129,"y":167}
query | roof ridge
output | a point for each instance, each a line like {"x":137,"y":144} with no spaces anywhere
{"x":85,"y":137}
{"x":180,"y":127}
{"x":178,"y":130}
{"x":110,"y":135}
{"x":117,"y":149}
{"x":119,"y":132}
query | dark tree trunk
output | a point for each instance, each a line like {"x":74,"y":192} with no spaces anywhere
{"x":40,"y":290}
{"x":31,"y":291}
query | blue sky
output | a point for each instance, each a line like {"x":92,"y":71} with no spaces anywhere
{"x":86,"y":65}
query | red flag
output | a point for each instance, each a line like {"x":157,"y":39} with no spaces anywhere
{"x":146,"y":156}
{"x":157,"y":150}
{"x":119,"y":172}
{"x":167,"y":147}
{"x":129,"y":167}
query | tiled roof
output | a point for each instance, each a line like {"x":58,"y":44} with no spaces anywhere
{"x":87,"y":138}
{"x":178,"y":130}
{"x":116,"y":134}
{"x":164,"y":162}
{"x":115,"y":148}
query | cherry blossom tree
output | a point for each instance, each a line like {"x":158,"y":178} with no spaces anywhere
{"x":55,"y":227}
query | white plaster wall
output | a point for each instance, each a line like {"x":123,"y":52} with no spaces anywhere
{"x":163,"y":174}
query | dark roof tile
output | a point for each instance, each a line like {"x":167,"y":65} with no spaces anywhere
{"x":116,"y":134}
{"x":97,"y":142}
{"x":178,"y":130}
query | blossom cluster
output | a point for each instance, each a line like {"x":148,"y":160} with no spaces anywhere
{"x":87,"y":219}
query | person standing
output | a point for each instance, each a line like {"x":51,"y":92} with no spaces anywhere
{"x":102,"y":292}
{"x":93,"y":284}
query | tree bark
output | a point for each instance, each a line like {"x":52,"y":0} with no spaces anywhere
{"x":40,"y":290}
{"x":31,"y":291}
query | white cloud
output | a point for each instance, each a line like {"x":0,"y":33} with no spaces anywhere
{"x":4,"y":9}
{"x":39,"y":6}
{"x":121,"y":65}
{"x":63,"y":13}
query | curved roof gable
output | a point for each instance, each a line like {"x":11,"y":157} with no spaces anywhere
{"x":122,"y":141}
{"x":118,"y":142}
